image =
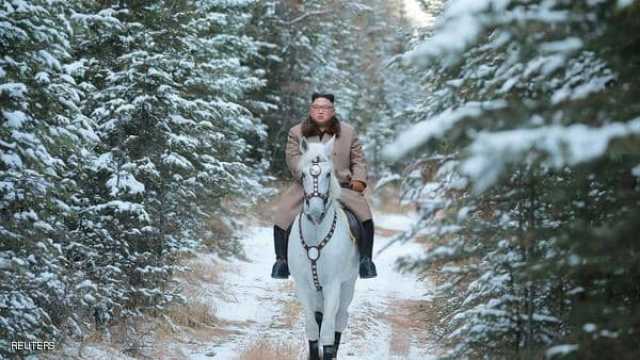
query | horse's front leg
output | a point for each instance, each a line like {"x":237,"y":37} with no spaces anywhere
{"x":312,"y":329}
{"x":346,"y":296}
{"x":331,"y":304}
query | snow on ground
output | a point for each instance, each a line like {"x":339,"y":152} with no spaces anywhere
{"x":390,"y":221}
{"x":259,"y":303}
{"x":252,"y":309}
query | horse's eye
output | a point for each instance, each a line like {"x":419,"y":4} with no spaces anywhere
{"x":328,"y":174}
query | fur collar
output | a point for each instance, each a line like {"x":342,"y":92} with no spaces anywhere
{"x":310,"y":128}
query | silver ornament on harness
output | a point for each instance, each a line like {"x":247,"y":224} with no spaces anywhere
{"x":315,"y":170}
{"x":313,"y":253}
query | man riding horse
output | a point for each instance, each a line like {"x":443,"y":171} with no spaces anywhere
{"x":350,"y":168}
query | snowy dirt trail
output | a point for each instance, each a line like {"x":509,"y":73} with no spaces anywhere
{"x":262,"y":317}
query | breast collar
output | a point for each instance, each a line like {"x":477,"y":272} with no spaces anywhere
{"x":313,"y":252}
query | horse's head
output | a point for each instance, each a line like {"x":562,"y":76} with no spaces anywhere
{"x":321,"y":187}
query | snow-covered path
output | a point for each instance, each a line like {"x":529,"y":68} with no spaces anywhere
{"x":262,"y":314}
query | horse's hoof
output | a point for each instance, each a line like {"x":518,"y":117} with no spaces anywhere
{"x":328,"y":352}
{"x":314,"y":352}
{"x":280,"y":270}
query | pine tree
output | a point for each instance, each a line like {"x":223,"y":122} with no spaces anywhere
{"x":168,"y":85}
{"x":311,"y":49}
{"x":535,"y":105}
{"x":42,"y":130}
{"x":126,"y":127}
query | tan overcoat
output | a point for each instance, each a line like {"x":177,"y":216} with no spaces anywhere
{"x":348,"y":162}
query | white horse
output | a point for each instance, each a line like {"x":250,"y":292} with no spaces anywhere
{"x":322,"y":253}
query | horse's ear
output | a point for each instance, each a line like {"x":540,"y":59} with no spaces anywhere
{"x":304,"y":146}
{"x":328,"y":146}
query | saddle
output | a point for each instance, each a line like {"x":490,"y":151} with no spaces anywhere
{"x":355,"y":225}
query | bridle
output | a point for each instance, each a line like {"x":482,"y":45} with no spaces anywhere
{"x":313,"y":251}
{"x":315,"y":174}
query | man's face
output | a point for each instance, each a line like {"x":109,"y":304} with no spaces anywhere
{"x":321,"y":110}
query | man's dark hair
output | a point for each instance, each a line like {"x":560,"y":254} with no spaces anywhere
{"x":316,"y":95}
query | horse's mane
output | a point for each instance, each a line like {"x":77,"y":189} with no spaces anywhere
{"x":317,"y":150}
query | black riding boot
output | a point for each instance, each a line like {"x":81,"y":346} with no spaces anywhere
{"x":280,"y":268}
{"x":367,"y":267}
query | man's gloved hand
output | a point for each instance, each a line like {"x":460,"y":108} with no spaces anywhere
{"x":357,"y":185}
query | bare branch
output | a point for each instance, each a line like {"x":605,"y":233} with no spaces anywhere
{"x":305,"y":15}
